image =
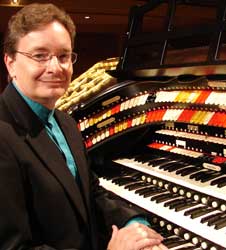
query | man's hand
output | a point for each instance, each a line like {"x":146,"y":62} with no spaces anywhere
{"x":135,"y":237}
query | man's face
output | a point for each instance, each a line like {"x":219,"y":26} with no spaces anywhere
{"x":42,"y":82}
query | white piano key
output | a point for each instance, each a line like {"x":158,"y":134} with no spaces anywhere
{"x":182,"y":245}
{"x":192,"y":225}
{"x":205,"y":187}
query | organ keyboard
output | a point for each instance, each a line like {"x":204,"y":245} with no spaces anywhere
{"x":156,"y":136}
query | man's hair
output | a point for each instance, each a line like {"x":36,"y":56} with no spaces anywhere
{"x":32,"y":17}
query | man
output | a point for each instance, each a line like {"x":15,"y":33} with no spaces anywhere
{"x":49,"y":197}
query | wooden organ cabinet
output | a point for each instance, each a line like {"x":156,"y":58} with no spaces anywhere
{"x":157,"y":132}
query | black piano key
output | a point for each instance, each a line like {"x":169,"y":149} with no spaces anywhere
{"x":126,"y":174}
{"x":167,"y":165}
{"x":135,"y":185}
{"x":123,"y":180}
{"x":211,"y":217}
{"x":163,"y":164}
{"x":198,"y":175}
{"x":193,"y":210}
{"x":210,"y":176}
{"x":214,"y":221}
{"x":116,"y":178}
{"x":188,"y":170}
{"x":218,"y":181}
{"x":149,"y":190}
{"x":173,"y":203}
{"x":172,"y":238}
{"x":157,"y":160}
{"x":169,"y":197}
{"x":142,"y":158}
{"x":176,"y":167}
{"x":126,"y":178}
{"x":153,"y":192}
{"x":136,"y":175}
{"x":142,"y":191}
{"x":185,"y":205}
{"x":174,"y":242}
{"x":220,"y":224}
{"x":161,"y":197}
{"x":201,"y":212}
{"x":222,"y":184}
{"x":149,"y":158}
{"x":204,"y":174}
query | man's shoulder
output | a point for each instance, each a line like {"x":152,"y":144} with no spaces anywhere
{"x":7,"y":131}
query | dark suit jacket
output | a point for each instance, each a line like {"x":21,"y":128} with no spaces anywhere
{"x":41,"y":205}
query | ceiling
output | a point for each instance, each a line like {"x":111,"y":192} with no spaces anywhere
{"x":109,"y":16}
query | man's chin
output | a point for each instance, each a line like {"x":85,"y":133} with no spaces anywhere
{"x":53,"y":95}
{"x":56,"y":92}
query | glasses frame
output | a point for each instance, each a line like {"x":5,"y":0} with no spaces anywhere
{"x":50,"y":56}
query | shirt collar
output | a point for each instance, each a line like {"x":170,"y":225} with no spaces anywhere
{"x":42,"y":112}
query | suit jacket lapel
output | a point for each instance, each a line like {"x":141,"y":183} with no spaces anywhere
{"x":77,"y":152}
{"x":35,"y":135}
{"x":55,"y":162}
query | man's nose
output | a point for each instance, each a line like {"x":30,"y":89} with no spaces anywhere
{"x":54,"y":64}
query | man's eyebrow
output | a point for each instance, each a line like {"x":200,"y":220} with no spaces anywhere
{"x":46,"y":49}
{"x":38,"y":48}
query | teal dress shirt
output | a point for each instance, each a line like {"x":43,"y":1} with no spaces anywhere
{"x":52,"y":129}
{"x":57,"y":136}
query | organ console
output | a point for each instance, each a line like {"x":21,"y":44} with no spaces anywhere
{"x":156,"y":132}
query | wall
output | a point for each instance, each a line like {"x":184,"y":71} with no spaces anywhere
{"x":92,"y":48}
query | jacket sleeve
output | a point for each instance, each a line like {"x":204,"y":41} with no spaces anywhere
{"x":110,"y":208}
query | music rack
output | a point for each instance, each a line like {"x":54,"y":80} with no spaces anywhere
{"x":144,"y":51}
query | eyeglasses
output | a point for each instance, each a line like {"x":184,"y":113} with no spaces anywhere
{"x":43,"y":58}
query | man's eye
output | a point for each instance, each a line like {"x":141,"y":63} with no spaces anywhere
{"x":41,"y":57}
{"x":64,"y":57}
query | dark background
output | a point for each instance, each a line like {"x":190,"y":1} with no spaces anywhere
{"x":102,"y":35}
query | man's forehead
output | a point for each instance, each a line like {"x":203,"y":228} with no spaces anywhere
{"x":47,"y":36}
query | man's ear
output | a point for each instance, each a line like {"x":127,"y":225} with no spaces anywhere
{"x":10,"y":65}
